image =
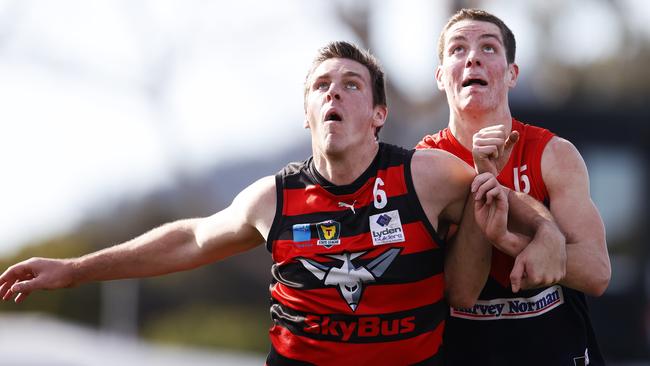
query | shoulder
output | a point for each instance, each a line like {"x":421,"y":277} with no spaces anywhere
{"x":562,"y":164}
{"x":426,"y":159}
{"x":256,"y":204}
{"x":560,"y":151}
{"x":438,"y":168}
{"x":259,"y":193}
{"x":441,"y":182}
{"x":256,"y":199}
{"x":244,"y":223}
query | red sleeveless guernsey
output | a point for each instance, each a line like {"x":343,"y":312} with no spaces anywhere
{"x":547,"y":326}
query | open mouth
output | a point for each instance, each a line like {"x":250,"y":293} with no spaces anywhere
{"x":333,"y":116}
{"x":469,"y":82}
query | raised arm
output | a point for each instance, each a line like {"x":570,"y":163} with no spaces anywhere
{"x":567,"y":181}
{"x":535,"y":240}
{"x":442,"y":183}
{"x":173,"y":247}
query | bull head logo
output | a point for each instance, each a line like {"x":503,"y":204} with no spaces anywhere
{"x":349,"y":278}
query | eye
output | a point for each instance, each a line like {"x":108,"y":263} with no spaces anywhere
{"x":489,"y":49}
{"x":457,"y":49}
{"x":351,"y":85}
{"x":322,"y":85}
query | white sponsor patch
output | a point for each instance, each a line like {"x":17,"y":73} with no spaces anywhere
{"x":386,"y":228}
{"x":515,"y":308}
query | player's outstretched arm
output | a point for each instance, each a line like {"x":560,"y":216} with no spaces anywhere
{"x":173,"y":247}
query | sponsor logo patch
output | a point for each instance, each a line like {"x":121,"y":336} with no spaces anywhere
{"x":329,"y":233}
{"x":301,"y":232}
{"x":515,"y":308}
{"x":362,"y":327}
{"x":386,"y":228}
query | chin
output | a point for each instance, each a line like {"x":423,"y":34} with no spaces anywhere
{"x":332,"y":147}
{"x":334,"y":151}
{"x":476,"y":105}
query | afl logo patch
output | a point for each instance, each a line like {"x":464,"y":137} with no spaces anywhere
{"x":329,"y":233}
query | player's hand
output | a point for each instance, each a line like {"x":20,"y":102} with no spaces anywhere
{"x":491,"y":148}
{"x":491,"y":213}
{"x":490,"y":207}
{"x":542,"y":263}
{"x":34,"y":274}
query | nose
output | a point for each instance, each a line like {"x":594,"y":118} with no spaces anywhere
{"x":333,"y":92}
{"x":472,"y":59}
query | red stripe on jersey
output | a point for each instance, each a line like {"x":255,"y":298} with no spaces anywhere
{"x":315,"y":198}
{"x":416,"y":234}
{"x":376,"y":299}
{"x":324,"y":353}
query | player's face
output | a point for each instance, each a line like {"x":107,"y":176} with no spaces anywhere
{"x":474,"y":72}
{"x":339,"y":106}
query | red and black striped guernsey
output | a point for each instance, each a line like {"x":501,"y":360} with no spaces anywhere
{"x":358,"y":269}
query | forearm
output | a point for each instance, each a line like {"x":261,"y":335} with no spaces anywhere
{"x":168,"y":248}
{"x":587,"y":269}
{"x":526,"y":213}
{"x":528,"y":220}
{"x":512,"y":243}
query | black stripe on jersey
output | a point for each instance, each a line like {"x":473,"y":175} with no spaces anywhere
{"x":354,"y":223}
{"x":361,"y":329}
{"x":404,"y":269}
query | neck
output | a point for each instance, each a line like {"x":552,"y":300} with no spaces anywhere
{"x":344,"y":168}
{"x":463,"y":125}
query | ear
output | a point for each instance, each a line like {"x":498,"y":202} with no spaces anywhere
{"x":379,"y":115}
{"x":513,"y":72}
{"x":305,"y":124}
{"x":441,"y":85}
